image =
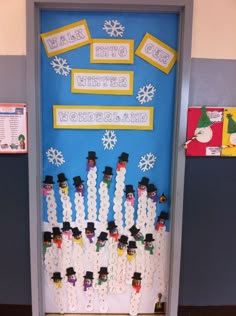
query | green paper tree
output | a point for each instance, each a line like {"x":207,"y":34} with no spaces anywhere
{"x":204,"y":120}
{"x":231,"y":124}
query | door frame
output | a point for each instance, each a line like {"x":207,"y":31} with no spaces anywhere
{"x":185,"y":10}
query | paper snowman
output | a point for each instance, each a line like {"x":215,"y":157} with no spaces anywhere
{"x":203,"y":132}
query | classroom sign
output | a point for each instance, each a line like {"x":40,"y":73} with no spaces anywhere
{"x":13,"y":128}
{"x":107,"y":107}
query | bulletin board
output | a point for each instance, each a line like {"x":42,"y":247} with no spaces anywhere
{"x":107,"y":126}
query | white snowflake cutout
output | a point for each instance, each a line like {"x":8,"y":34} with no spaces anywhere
{"x":113,"y":28}
{"x":55,"y":157}
{"x":60,"y":66}
{"x":109,"y":140}
{"x":147,"y":162}
{"x":146,"y":93}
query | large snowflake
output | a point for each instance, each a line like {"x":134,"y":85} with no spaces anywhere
{"x":146,"y":93}
{"x":60,"y":66}
{"x":147,"y":162}
{"x":55,"y":157}
{"x":109,"y":140}
{"x":113,"y":28}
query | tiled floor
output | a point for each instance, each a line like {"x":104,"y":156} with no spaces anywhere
{"x":100,"y":314}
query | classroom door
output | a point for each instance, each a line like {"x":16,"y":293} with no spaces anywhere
{"x":107,"y":110}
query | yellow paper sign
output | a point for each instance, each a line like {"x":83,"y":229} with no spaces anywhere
{"x":112,"y":51}
{"x":66,"y":38}
{"x":157,"y":53}
{"x":102,"y":81}
{"x":102,"y":117}
{"x":229,"y":132}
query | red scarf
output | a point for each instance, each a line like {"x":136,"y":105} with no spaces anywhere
{"x":58,"y":242}
{"x":137,"y":288}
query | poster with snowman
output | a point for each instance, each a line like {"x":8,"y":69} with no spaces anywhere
{"x":204,"y":131}
{"x":229,"y":133}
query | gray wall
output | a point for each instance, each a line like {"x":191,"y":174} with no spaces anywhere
{"x":208,"y":273}
{"x":14,"y":210}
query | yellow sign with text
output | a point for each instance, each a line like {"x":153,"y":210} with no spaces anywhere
{"x":157,"y":53}
{"x":112,"y":51}
{"x":103,"y":117}
{"x":102,"y":81}
{"x":66,"y":38}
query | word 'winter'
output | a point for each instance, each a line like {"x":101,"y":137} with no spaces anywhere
{"x":102,"y":81}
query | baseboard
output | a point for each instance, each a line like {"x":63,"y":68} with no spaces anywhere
{"x":15,"y":310}
{"x":226,"y":310}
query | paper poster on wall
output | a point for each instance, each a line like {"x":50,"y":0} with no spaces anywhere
{"x":229,"y":132}
{"x":13,"y":128}
{"x":204,"y":131}
{"x":106,"y":166}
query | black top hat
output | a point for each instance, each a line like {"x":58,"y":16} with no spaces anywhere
{"x":108,"y":170}
{"x":70,"y":271}
{"x":137,"y":276}
{"x":132,"y":244}
{"x":144,"y":181}
{"x":103,"y":270}
{"x":49,"y":180}
{"x":56,"y":276}
{"x":56,"y":231}
{"x":90,"y":226}
{"x":77,"y":181}
{"x":92,"y":155}
{"x":163,"y":215}
{"x":61,"y":177}
{"x":129,"y":189}
{"x":149,"y":237}
{"x":111,"y":225}
{"x":66,"y":226}
{"x":134,"y":230}
{"x":88,"y":275}
{"x":151,"y":188}
{"x":124,"y":157}
{"x":76,"y":232}
{"x":102,"y":236}
{"x":47,"y":236}
{"x":123,"y":239}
